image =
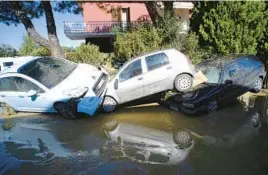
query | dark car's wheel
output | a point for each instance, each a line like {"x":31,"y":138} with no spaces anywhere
{"x":183,"y":82}
{"x":110,"y":125}
{"x":109,"y":104}
{"x":65,"y":110}
{"x":257,"y":85}
{"x":212,"y":106}
{"x":183,"y":139}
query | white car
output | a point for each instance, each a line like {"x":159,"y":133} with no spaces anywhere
{"x":47,"y":84}
{"x":149,"y":74}
{"x":6,"y":62}
{"x":170,"y":148}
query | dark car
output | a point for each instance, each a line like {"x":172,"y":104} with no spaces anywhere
{"x":227,"y":79}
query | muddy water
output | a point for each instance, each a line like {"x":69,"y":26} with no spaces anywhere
{"x":140,"y":140}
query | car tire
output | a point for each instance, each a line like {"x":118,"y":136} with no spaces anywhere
{"x":183,"y":82}
{"x":110,"y":125}
{"x":257,"y":86}
{"x":212,"y":106}
{"x":183,"y":139}
{"x":65,"y":109}
{"x":109,"y":104}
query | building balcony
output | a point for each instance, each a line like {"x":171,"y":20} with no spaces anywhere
{"x":92,"y":29}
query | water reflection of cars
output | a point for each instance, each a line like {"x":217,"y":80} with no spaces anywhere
{"x":46,"y":84}
{"x":227,"y":79}
{"x":147,"y":145}
{"x":233,"y":126}
{"x":148,"y":75}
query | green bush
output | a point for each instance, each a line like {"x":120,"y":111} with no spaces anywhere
{"x":135,"y":42}
{"x":40,"y":51}
{"x":7,"y":51}
{"x":169,"y":29}
{"x":230,"y":27}
{"x":191,"y":47}
{"x":88,"y":53}
{"x":30,"y":48}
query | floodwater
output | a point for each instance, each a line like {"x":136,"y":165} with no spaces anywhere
{"x":140,"y":140}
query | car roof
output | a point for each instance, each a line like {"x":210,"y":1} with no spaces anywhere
{"x":221,"y":61}
{"x":148,"y":53}
{"x":18,"y":62}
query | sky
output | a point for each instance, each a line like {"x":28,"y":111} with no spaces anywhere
{"x":13,"y":35}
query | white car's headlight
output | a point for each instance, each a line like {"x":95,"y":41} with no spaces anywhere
{"x":76,"y":92}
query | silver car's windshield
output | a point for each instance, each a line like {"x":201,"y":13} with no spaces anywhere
{"x":48,"y":71}
{"x":212,"y":73}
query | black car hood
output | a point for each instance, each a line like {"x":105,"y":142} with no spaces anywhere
{"x":198,"y":92}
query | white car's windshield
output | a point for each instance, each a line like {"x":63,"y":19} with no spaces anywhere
{"x":48,"y":71}
{"x":212,"y":73}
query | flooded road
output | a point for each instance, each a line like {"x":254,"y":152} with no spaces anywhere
{"x":148,"y":139}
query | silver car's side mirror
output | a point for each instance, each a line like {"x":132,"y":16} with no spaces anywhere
{"x":31,"y":93}
{"x":116,"y":84}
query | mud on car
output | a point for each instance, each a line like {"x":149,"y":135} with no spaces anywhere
{"x":227,"y":79}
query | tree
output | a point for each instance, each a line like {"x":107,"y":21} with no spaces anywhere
{"x":16,"y":12}
{"x":7,"y":51}
{"x":30,"y":48}
{"x":230,"y":27}
{"x":160,"y":11}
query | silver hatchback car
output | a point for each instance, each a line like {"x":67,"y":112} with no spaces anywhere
{"x":147,"y":75}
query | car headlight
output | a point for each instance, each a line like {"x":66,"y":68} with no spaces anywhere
{"x":76,"y":92}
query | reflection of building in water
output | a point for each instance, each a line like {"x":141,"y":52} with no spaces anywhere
{"x":147,"y":145}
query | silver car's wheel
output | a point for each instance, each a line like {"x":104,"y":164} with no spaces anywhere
{"x":109,"y":104}
{"x":183,"y":139}
{"x":257,"y":84}
{"x":183,"y":82}
{"x":212,"y":106}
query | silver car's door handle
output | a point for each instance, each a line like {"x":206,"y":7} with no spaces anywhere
{"x":141,"y":78}
{"x":2,"y":95}
{"x":21,"y":96}
{"x":170,"y":67}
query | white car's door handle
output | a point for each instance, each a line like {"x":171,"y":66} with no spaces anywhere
{"x":170,"y":67}
{"x":141,"y":78}
{"x":21,"y":96}
{"x":2,"y":95}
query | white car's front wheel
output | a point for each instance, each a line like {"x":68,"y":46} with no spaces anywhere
{"x":109,"y":104}
{"x":183,"y":82}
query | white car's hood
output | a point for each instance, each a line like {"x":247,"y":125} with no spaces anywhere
{"x":83,"y":76}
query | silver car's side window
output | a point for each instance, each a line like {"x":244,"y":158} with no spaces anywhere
{"x":156,"y":61}
{"x":8,"y":84}
{"x":132,"y":70}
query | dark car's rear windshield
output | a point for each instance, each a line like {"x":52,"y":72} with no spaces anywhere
{"x":49,"y":71}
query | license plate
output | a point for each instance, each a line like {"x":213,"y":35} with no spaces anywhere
{"x":100,"y":84}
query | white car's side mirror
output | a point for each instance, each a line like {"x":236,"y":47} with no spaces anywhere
{"x":31,"y":93}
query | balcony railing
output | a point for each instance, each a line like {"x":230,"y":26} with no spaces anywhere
{"x":90,"y":28}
